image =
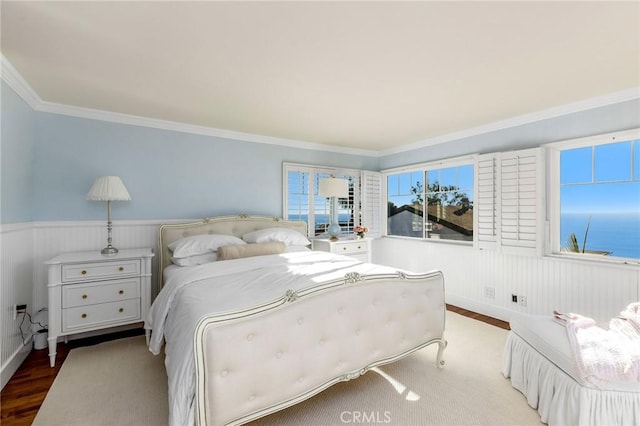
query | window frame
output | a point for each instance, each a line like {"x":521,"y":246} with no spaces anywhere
{"x":554,"y":149}
{"x":312,"y":170}
{"x":423,"y":168}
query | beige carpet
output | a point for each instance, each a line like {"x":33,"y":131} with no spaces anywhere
{"x":121,"y":383}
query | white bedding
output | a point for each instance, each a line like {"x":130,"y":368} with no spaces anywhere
{"x":174,"y":269}
{"x":538,"y":360}
{"x":193,"y":292}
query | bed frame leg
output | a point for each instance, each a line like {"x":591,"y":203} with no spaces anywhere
{"x":442,"y":344}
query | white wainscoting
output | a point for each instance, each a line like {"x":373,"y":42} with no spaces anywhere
{"x":25,"y":248}
{"x":53,"y":238}
{"x":593,"y":289}
{"x":16,"y":243}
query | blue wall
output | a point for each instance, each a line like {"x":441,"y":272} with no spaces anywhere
{"x":611,"y":118}
{"x":168,"y":174}
{"x":49,"y":161}
{"x":17,"y":142}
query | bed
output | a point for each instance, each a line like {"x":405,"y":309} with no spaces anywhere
{"x":252,"y":335}
{"x":538,"y":361}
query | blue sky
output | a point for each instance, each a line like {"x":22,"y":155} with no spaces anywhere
{"x":603,"y":179}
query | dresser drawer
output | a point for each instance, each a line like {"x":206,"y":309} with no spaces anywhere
{"x":104,"y":314}
{"x":91,"y":271}
{"x":350,"y":248}
{"x":359,"y":249}
{"x":102,"y":292}
{"x":91,"y":292}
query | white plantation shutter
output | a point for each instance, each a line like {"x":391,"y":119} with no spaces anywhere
{"x":488,"y":199}
{"x":371,"y":202}
{"x":350,"y":206}
{"x":521,"y":192}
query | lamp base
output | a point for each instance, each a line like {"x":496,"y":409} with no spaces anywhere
{"x":334,"y":231}
{"x":109,"y":250}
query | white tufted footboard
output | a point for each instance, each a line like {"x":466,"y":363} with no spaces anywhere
{"x":252,"y":363}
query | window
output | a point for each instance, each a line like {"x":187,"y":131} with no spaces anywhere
{"x":432,"y":203}
{"x":598,"y":200}
{"x":302,"y":202}
{"x":449,"y":194}
{"x":405,"y":204}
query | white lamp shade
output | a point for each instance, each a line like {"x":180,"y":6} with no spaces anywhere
{"x":333,"y":187}
{"x":108,"y":188}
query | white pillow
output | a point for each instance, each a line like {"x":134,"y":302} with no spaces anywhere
{"x":287,"y":236}
{"x":201,"y":244}
{"x":199,"y":259}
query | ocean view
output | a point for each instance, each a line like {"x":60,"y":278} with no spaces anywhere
{"x":321,"y":219}
{"x":617,"y":233}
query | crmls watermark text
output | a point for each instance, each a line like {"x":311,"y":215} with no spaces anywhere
{"x":366,"y":417}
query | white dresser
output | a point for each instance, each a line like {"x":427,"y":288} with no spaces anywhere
{"x":89,"y":291}
{"x":358,"y":248}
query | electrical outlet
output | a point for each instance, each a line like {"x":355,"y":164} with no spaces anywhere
{"x":18,"y":309}
{"x":490,"y":292}
{"x":522,"y":300}
{"x":514,"y":298}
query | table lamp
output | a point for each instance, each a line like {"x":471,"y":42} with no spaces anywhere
{"x":108,"y":188}
{"x":333,"y":188}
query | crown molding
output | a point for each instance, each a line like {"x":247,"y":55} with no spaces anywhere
{"x":134,"y":120}
{"x":600,"y":101}
{"x":11,"y":76}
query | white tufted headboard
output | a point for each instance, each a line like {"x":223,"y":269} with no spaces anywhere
{"x":227,"y":225}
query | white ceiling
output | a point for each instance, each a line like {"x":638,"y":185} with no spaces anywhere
{"x":364,"y":75}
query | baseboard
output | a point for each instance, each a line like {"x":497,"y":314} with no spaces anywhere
{"x":479,"y":307}
{"x":14,"y":362}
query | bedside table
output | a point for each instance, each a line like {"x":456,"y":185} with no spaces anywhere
{"x":359,"y":248}
{"x":89,"y":291}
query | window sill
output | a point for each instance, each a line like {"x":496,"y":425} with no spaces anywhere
{"x":431,"y":240}
{"x":595,"y":259}
{"x":575,"y":258}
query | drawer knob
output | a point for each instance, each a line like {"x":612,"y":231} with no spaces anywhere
{"x":121,"y":268}
{"x":83,"y":316}
{"x":121,"y":310}
{"x":358,"y":247}
{"x":121,"y":292}
{"x":84,"y":272}
{"x":344,"y":248}
{"x":84,"y":296}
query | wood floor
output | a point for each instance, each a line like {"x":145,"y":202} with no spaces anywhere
{"x":22,"y":396}
{"x":479,"y":317}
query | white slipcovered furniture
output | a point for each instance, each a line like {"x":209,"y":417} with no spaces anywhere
{"x":538,"y":360}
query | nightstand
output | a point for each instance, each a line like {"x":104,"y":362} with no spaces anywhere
{"x":358,"y":248}
{"x":89,"y":291}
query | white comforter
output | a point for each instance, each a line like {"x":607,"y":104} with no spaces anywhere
{"x":228,"y":286}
